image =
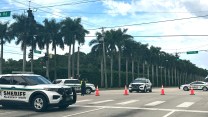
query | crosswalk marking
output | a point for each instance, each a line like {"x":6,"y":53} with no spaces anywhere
{"x":127,"y":102}
{"x":155,"y":103}
{"x":83,"y":101}
{"x":185,"y":104}
{"x":99,"y":102}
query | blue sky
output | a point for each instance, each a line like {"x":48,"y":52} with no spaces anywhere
{"x":110,"y":13}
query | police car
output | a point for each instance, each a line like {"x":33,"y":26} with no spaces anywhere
{"x":34,"y":90}
{"x":140,"y":84}
{"x":76,"y":84}
{"x":199,"y":85}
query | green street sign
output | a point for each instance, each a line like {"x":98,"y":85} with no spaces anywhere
{"x":36,"y":51}
{"x":192,"y":52}
{"x":5,"y":14}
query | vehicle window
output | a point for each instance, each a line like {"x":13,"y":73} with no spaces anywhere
{"x":193,"y":83}
{"x":5,"y":80}
{"x":35,"y":80}
{"x":72,"y":81}
{"x":56,"y":81}
{"x":199,"y":83}
{"x":17,"y":80}
{"x":140,"y":81}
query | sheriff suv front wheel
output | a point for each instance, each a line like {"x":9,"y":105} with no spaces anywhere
{"x":39,"y":103}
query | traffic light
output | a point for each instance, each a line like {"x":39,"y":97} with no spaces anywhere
{"x":30,"y":55}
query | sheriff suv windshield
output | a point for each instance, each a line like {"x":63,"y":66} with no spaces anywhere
{"x":35,"y":80}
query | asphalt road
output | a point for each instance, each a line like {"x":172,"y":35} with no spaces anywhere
{"x":112,"y":103}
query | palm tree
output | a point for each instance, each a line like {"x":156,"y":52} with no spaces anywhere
{"x":120,"y":37}
{"x":18,"y":30}
{"x":4,"y":37}
{"x":80,"y":33}
{"x":53,"y":35}
{"x":111,"y":49}
{"x":67,"y":31}
{"x":97,"y":48}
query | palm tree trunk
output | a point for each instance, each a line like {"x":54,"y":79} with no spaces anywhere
{"x":1,"y":61}
{"x":24,"y":58}
{"x":111,"y":71}
{"x":73,"y":49}
{"x":55,"y":73}
{"x":157,"y":75}
{"x":78,"y":61}
{"x":148,"y":76}
{"x":143,"y":69}
{"x":175,"y":77}
{"x":119,"y":68}
{"x":127,"y":70}
{"x":104,"y":63}
{"x":132,"y":67}
{"x":165,"y":76}
{"x":101,"y":70}
{"x":169,"y":77}
{"x":69,"y":62}
{"x":47,"y":61}
{"x":153,"y":82}
{"x":172,"y":77}
{"x":161,"y":78}
{"x":138,"y":68}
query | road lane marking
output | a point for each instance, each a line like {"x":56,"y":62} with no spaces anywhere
{"x":168,"y":114}
{"x":83,"y":101}
{"x":155,"y":103}
{"x":83,"y":112}
{"x":137,"y":108}
{"x":99,"y":102}
{"x":127,"y":102}
{"x":185,"y":104}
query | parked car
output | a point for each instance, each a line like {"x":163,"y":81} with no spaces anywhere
{"x":34,"y":90}
{"x":76,"y":84}
{"x":199,"y":85}
{"x":140,"y":84}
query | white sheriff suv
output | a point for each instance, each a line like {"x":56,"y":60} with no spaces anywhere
{"x":34,"y":90}
{"x":140,"y":84}
{"x":76,"y":84}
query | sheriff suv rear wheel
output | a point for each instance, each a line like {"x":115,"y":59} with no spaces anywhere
{"x":39,"y":103}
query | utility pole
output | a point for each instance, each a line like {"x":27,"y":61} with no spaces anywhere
{"x":31,"y":21}
{"x":104,"y":59}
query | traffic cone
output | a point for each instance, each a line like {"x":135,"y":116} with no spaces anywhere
{"x":162,"y":91}
{"x":126,"y":91}
{"x":192,"y":91}
{"x":97,"y":92}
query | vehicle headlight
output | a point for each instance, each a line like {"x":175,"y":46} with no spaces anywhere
{"x":129,"y":85}
{"x":51,"y":89}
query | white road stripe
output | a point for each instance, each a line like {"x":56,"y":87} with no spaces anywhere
{"x":155,"y":103}
{"x":137,"y":108}
{"x":83,"y":101}
{"x":83,"y":112}
{"x":127,"y":102}
{"x":99,"y":102}
{"x":185,"y":104}
{"x":170,"y":113}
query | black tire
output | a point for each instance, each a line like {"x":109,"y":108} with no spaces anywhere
{"x":185,"y":88}
{"x":88,"y":90}
{"x":150,"y":90}
{"x":145,"y":90}
{"x":204,"y":88}
{"x":39,"y":103}
{"x":63,"y":106}
{"x":74,"y":96}
{"x":130,"y":91}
